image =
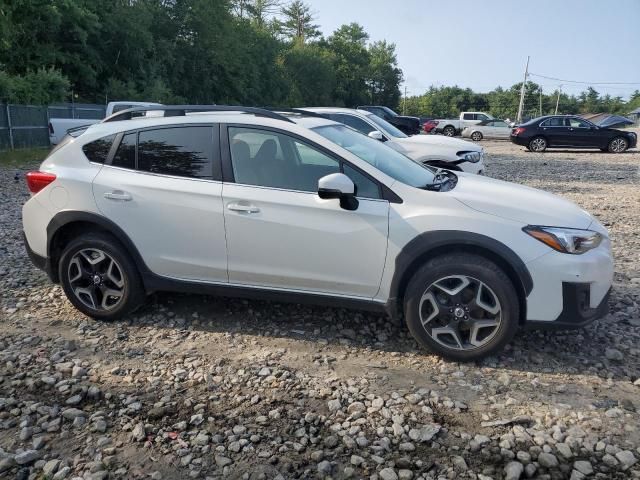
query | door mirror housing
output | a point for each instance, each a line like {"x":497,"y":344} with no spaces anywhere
{"x":376,"y":135}
{"x":338,"y":185}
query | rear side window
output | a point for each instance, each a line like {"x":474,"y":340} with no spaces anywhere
{"x":178,"y":151}
{"x":468,"y":116}
{"x":125,"y":156}
{"x":98,"y":150}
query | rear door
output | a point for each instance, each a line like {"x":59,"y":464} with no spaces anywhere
{"x":500,"y":129}
{"x":556,"y":131}
{"x":163,"y":187}
{"x":282,"y":235}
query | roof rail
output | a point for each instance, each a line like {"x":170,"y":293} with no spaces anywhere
{"x":181,"y":110}
{"x":299,"y":111}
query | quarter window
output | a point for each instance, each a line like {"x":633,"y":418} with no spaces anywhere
{"x":98,"y":150}
{"x":125,"y":156}
{"x":178,"y":151}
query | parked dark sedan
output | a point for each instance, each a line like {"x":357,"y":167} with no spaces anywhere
{"x":553,"y":131}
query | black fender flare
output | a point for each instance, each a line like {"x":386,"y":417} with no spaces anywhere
{"x":438,"y":242}
{"x":61,"y":219}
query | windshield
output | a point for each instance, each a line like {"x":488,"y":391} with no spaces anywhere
{"x":385,"y":127}
{"x":379,"y":155}
{"x":389,"y":111}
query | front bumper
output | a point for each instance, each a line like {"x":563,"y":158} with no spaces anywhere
{"x":576,"y":310}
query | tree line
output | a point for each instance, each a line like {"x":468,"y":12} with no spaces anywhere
{"x":446,"y":102}
{"x":249,"y":52}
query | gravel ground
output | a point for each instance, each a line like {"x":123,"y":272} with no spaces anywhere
{"x":204,"y":387}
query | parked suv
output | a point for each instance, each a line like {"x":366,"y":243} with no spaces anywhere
{"x":243,"y":201}
{"x":407,"y":125}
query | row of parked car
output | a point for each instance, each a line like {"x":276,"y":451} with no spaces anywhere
{"x":540,"y":133}
{"x":314,"y":205}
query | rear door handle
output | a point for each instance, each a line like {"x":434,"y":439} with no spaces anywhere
{"x":117,"y":195}
{"x":238,"y":207}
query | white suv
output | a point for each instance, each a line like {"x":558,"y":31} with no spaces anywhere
{"x":251,"y":202}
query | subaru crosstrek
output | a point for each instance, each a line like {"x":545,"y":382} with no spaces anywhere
{"x":249,"y":202}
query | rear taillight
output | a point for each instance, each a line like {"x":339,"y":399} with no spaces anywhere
{"x":517,"y":131}
{"x":36,"y":181}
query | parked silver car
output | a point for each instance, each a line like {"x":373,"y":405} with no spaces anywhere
{"x":487,"y":129}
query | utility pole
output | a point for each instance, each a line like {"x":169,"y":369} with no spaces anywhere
{"x":558,"y":99}
{"x":404,"y":102}
{"x":540,"y":100}
{"x":524,"y":84}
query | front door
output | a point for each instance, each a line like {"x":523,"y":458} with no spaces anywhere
{"x":159,"y":188}
{"x":281,"y":235}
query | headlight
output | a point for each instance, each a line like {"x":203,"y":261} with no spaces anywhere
{"x":472,"y":157}
{"x":565,"y":240}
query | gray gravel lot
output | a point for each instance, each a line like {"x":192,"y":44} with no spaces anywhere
{"x":205,"y":387}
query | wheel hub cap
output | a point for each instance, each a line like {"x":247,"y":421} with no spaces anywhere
{"x":460,"y":312}
{"x":96,"y":279}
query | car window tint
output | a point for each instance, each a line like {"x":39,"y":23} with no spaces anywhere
{"x":365,"y":187}
{"x":480,"y":116}
{"x":500,"y":124}
{"x":553,"y":122}
{"x":468,"y":116}
{"x":271,"y":159}
{"x":98,"y":150}
{"x":576,"y":123}
{"x":354,"y":122}
{"x":179,"y":151}
{"x":125,"y":156}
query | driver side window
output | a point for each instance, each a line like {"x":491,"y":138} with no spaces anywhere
{"x":271,"y":159}
{"x":576,"y":123}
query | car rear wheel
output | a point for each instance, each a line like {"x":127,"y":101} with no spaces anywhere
{"x":99,"y":278}
{"x":476,"y":136}
{"x":449,"y":131}
{"x":618,"y":145}
{"x":462,"y":307}
{"x":538,"y":144}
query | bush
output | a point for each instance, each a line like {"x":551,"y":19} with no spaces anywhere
{"x":39,"y":87}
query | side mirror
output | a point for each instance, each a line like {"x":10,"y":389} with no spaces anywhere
{"x":376,"y":135}
{"x":338,"y":185}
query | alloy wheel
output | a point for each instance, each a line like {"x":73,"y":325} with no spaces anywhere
{"x":460,"y":312}
{"x":96,"y":279}
{"x":538,"y":144}
{"x":618,"y":145}
{"x":449,"y":132}
{"x":476,"y":136}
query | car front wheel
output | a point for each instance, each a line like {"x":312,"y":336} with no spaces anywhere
{"x":618,"y":145}
{"x":99,"y":278}
{"x":462,"y":307}
{"x":476,"y":136}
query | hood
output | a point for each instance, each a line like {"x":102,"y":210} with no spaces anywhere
{"x":614,"y":121}
{"x":522,"y":204}
{"x":441,"y":141}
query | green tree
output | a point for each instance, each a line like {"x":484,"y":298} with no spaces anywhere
{"x":352,"y":60}
{"x":298,"y":22}
{"x":384,"y":76}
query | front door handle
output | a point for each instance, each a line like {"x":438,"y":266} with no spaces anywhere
{"x":117,"y":195}
{"x":238,"y":207}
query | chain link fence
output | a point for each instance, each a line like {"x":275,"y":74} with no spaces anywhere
{"x":26,"y":126}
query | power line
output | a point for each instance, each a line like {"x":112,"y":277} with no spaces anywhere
{"x":583,"y":83}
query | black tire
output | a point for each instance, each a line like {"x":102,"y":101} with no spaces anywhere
{"x":618,"y":145}
{"x":472,"y":267}
{"x":131,"y":292}
{"x":449,"y":131}
{"x":476,"y":136}
{"x":538,"y":144}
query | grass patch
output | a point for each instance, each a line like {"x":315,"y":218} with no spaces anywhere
{"x":22,"y":157}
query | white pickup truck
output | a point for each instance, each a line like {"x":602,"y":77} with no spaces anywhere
{"x":453,"y":127}
{"x":58,"y":127}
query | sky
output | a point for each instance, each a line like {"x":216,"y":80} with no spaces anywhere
{"x":481,"y":44}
